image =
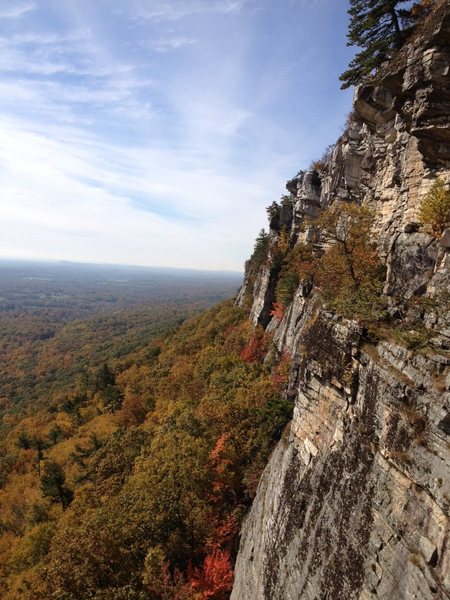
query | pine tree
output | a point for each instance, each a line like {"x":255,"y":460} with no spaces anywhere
{"x":260,"y":249}
{"x":104,"y":377}
{"x":53,"y":484}
{"x":34,"y":442}
{"x":376,"y":27}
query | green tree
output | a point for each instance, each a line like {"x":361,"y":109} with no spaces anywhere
{"x":273,"y":212}
{"x":53,"y":484}
{"x":39,"y":445}
{"x":23,"y":440}
{"x":286,"y":287}
{"x":376,"y":27}
{"x":104,"y":377}
{"x":55,"y":435}
{"x":112,"y":398}
{"x":260,"y":249}
{"x":33,"y":442}
{"x":83,"y":453}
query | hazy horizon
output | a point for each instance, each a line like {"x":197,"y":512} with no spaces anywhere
{"x":62,"y":262}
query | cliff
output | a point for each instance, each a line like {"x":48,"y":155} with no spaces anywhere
{"x":354,"y":502}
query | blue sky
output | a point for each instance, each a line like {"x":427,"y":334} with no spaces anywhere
{"x":155,"y":132}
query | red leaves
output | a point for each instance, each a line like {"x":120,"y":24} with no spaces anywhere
{"x":255,"y":350}
{"x":277,"y":311}
{"x":214,"y":579}
{"x":226,"y":531}
{"x":225,"y":479}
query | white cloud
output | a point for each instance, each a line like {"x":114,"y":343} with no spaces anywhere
{"x":125,"y":205}
{"x":47,"y":39}
{"x":171,"y":197}
{"x":51,"y":75}
{"x":53,"y":54}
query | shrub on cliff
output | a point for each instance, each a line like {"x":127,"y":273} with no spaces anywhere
{"x":297,"y":266}
{"x":286,"y":286}
{"x":434,"y":211}
{"x":350,"y":274}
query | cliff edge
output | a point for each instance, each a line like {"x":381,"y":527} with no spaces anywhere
{"x":354,"y":503}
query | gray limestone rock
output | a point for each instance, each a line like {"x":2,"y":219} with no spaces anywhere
{"x":445,"y":239}
{"x":354,"y":503}
{"x":411,"y":264}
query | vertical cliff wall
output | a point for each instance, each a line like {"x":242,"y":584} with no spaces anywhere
{"x":354,"y":502}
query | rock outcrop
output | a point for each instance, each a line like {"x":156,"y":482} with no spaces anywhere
{"x":354,"y":503}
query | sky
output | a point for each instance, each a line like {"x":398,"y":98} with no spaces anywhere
{"x":155,"y":132}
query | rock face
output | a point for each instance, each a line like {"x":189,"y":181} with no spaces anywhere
{"x":354,"y":503}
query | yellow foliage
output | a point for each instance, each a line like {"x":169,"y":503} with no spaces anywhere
{"x":32,"y":547}
{"x":283,"y":242}
{"x":154,"y":564}
{"x":434,"y":210}
{"x":64,"y":421}
{"x":16,"y":497}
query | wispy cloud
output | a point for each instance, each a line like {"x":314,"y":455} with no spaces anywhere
{"x":169,"y":43}
{"x":123,"y":202}
{"x":48,"y":54}
{"x":57,"y":73}
{"x":173,"y":10}
{"x":13,"y":12}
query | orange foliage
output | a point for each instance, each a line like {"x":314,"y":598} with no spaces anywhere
{"x":281,"y":371}
{"x":224,"y":487}
{"x":225,"y":532}
{"x":223,"y":480}
{"x":168,"y":585}
{"x":421,"y":9}
{"x":217,"y":452}
{"x":200,"y":391}
{"x":133,"y":411}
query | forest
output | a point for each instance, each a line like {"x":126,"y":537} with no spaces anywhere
{"x":57,"y":318}
{"x":132,"y":439}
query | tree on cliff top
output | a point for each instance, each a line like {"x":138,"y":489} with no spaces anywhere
{"x":376,"y":27}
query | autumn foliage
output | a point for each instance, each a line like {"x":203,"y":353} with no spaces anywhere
{"x":434,"y":211}
{"x":277,"y":311}
{"x":345,"y":269}
{"x":350,"y":274}
{"x":214,"y":580}
{"x":256,"y":347}
{"x":150,"y":466}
